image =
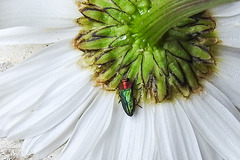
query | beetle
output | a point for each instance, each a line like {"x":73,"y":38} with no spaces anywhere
{"x":126,"y":96}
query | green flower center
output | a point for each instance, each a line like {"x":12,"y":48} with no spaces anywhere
{"x":165,"y":47}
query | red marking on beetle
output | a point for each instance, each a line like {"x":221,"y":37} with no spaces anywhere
{"x":125,"y":84}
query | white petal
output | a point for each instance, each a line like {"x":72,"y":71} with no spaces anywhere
{"x":108,"y":145}
{"x":42,"y":145}
{"x":130,"y":138}
{"x":227,"y":88}
{"x":228,"y":21}
{"x":231,"y":75}
{"x":137,"y":139}
{"x":215,"y":123}
{"x":30,"y":92}
{"x":37,"y":22}
{"x":207,"y":152}
{"x":226,"y":10}
{"x":175,"y":135}
{"x":90,"y":127}
{"x":225,"y":101}
{"x":228,"y":63}
{"x":25,"y":98}
{"x":55,"y":57}
{"x":229,"y":35}
{"x":44,"y":14}
{"x":38,"y":75}
{"x":227,"y":52}
{"x":58,"y":102}
{"x":36,"y":35}
{"x":227,"y":77}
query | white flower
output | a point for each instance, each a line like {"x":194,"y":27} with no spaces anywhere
{"x":49,"y":100}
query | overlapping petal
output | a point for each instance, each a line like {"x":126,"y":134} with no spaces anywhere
{"x":45,"y":143}
{"x":215,"y":123}
{"x":227,"y":77}
{"x":91,"y":126}
{"x":207,"y":151}
{"x":38,"y":99}
{"x":127,"y":138}
{"x":174,"y":133}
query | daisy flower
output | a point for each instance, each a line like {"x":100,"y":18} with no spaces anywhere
{"x":123,"y":79}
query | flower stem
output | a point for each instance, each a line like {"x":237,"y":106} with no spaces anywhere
{"x":165,"y":14}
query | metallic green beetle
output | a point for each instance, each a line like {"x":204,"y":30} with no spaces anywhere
{"x":126,"y":96}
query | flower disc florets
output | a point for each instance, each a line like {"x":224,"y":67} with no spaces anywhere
{"x":115,"y":48}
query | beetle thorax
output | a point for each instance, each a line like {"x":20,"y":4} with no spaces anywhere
{"x":125,"y":84}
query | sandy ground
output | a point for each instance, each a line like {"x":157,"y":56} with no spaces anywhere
{"x":10,"y":56}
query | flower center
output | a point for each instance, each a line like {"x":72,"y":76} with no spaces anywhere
{"x":164,"y":48}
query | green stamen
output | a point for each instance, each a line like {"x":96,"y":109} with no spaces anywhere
{"x":164,"y":47}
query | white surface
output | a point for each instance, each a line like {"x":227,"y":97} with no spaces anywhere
{"x":10,"y":56}
{"x":13,"y":54}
